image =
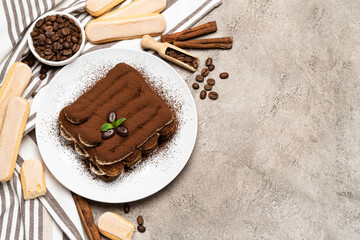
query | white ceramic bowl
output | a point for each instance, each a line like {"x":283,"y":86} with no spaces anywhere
{"x":56,"y":63}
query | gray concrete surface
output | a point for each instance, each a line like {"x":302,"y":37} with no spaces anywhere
{"x":277,"y":155}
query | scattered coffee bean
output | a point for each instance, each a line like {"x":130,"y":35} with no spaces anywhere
{"x":211,"y":81}
{"x":224,"y":75}
{"x":43,"y":69}
{"x":140,"y":220}
{"x":122,"y":131}
{"x":33,"y":94}
{"x":111,"y":117}
{"x":213,"y":95}
{"x":208,"y":62}
{"x":205,"y":72}
{"x":56,"y":37}
{"x":189,"y":60}
{"x":126,"y":208}
{"x":203,"y":94}
{"x":141,"y":228}
{"x":207,"y":87}
{"x":29,"y":60}
{"x":199,"y":78}
{"x":42,"y":76}
{"x":211,"y":67}
{"x":195,"y":86}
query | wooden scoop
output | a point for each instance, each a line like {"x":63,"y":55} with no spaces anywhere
{"x":147,"y":42}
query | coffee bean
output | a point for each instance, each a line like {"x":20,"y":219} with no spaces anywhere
{"x":49,"y":57}
{"x":59,"y":19}
{"x":199,"y":78}
{"x":195,"y":64}
{"x":48,"y":41}
{"x":68,"y":39}
{"x":56,"y":26}
{"x":33,"y":94}
{"x":224,"y":75}
{"x":211,"y":67}
{"x":43,"y":27}
{"x":205,"y":72}
{"x":63,"y":58}
{"x":195,"y":86}
{"x":140,"y":220}
{"x":53,"y":58}
{"x":52,"y":18}
{"x":39,"y":23}
{"x":49,"y":34}
{"x":207,"y":87}
{"x":43,"y":69}
{"x":122,"y":131}
{"x":74,"y":39}
{"x":188,"y":59}
{"x":141,"y":228}
{"x":111,"y":117}
{"x":211,"y":81}
{"x":126,"y":208}
{"x":58,"y":57}
{"x":213,"y":95}
{"x":181,"y":58}
{"x":72,"y":21}
{"x":33,"y":33}
{"x":42,"y":76}
{"x":67,"y":52}
{"x":208,"y":61}
{"x":75,"y":48}
{"x":65,"y":31}
{"x":61,"y":25}
{"x":202,"y":94}
{"x":66,"y":45}
{"x":47,"y":52}
{"x":58,"y":46}
{"x":49,"y":29}
{"x":108,"y":134}
{"x":61,"y":40}
{"x":48,"y":23}
{"x":55,"y":37}
{"x":42,"y":37}
{"x":67,"y":23}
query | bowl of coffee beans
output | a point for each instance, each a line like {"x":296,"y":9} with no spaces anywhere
{"x":56,"y":38}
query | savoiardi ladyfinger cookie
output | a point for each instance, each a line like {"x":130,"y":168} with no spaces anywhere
{"x":115,"y":227}
{"x":14,"y":84}
{"x":11,"y":135}
{"x":99,"y":7}
{"x":112,"y":29}
{"x":137,"y":7}
{"x":32,"y":179}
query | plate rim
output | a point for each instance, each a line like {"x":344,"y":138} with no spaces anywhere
{"x":158,"y":188}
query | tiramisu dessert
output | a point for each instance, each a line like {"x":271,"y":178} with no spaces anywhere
{"x":116,"y":122}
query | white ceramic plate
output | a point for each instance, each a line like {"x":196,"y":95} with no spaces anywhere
{"x":147,"y":177}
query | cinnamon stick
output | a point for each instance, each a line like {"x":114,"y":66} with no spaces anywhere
{"x":209,"y":43}
{"x":86,"y":217}
{"x":203,"y":29}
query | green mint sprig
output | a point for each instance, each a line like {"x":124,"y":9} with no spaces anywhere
{"x":113,"y":124}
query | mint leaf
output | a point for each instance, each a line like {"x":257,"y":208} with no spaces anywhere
{"x":113,"y":123}
{"x":119,"y":122}
{"x":106,"y":127}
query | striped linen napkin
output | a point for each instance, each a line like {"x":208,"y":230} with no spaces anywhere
{"x":54,"y":216}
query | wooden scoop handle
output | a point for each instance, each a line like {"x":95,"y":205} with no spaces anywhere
{"x":147,"y":42}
